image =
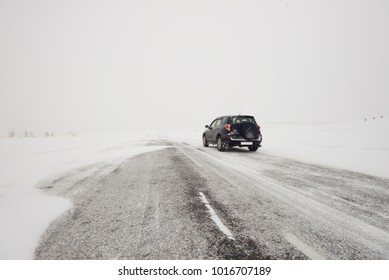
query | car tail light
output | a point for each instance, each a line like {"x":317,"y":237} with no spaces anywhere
{"x":227,"y":126}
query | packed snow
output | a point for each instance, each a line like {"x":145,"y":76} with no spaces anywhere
{"x":26,"y":211}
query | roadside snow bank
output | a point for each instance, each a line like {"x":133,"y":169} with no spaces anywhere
{"x":25,"y":211}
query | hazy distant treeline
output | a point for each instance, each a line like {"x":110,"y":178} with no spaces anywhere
{"x":15,"y":133}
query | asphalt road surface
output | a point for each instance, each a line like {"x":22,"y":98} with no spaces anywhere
{"x":186,"y":202}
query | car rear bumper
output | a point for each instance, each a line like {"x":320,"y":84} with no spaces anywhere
{"x":243,"y":142}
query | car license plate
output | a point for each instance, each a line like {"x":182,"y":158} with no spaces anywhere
{"x":246,"y":143}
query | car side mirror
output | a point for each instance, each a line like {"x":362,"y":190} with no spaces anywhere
{"x":207,"y":126}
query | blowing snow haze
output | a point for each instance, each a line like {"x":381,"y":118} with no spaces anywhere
{"x":147,"y":65}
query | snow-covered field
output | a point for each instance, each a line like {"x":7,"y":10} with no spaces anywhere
{"x":356,"y":146}
{"x":25,"y":211}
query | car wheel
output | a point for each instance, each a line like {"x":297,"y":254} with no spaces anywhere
{"x":253,"y":148}
{"x":220,"y":145}
{"x":205,"y":142}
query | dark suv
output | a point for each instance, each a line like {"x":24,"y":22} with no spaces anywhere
{"x":229,"y":131}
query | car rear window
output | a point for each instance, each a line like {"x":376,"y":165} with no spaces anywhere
{"x":242,"y":119}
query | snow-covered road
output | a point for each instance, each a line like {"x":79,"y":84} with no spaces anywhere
{"x":190,"y":202}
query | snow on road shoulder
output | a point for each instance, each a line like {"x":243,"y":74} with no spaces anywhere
{"x":356,"y":146}
{"x":25,"y":211}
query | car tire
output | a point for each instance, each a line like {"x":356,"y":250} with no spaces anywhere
{"x":253,"y":148}
{"x":205,"y":141}
{"x":220,"y":145}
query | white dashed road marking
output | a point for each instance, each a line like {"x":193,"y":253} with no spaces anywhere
{"x":216,"y":218}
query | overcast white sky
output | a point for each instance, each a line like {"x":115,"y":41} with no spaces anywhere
{"x":124,"y":65}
